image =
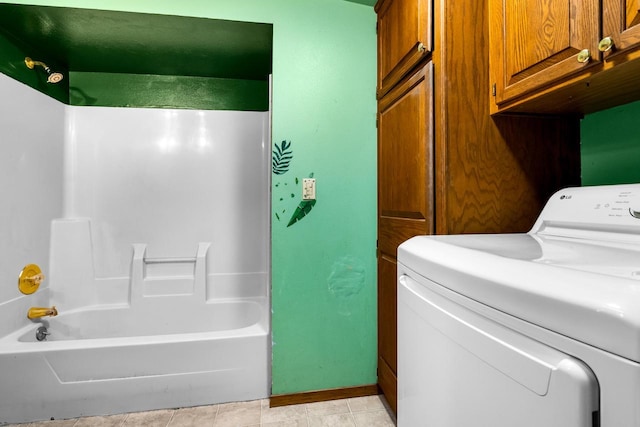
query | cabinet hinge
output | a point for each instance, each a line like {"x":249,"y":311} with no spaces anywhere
{"x":376,"y":28}
{"x":377,"y":121}
{"x":493,"y":89}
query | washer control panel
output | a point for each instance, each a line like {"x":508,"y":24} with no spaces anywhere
{"x":607,"y":207}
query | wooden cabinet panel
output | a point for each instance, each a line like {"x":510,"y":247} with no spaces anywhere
{"x":621,"y":22}
{"x":632,"y":13}
{"x":394,"y":230}
{"x":405,"y":198}
{"x":405,"y":145}
{"x":536,"y":43}
{"x":502,"y":181}
{"x":404,"y":38}
{"x":387,"y":327}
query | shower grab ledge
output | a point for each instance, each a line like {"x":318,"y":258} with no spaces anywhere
{"x":168,"y":278}
{"x":168,"y":260}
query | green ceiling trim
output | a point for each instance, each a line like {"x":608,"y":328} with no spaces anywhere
{"x":157,"y":91}
{"x":90,"y":40}
{"x":12,"y":54}
{"x":139,"y":59}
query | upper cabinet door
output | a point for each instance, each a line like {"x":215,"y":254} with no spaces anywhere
{"x":535,"y":43}
{"x":621,"y":24}
{"x":404,"y":38}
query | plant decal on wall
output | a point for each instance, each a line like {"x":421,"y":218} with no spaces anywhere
{"x":282,"y":156}
{"x":303,"y":209}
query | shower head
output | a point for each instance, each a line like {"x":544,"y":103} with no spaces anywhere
{"x":52,"y":77}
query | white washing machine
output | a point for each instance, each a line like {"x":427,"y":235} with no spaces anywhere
{"x":535,"y":329}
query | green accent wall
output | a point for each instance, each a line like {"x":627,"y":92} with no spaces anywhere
{"x":324,"y":266}
{"x":94,"y":40}
{"x":12,"y":55}
{"x":611,"y":146}
{"x":126,"y":59}
{"x":138,"y":90}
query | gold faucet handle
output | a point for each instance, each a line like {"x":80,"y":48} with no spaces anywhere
{"x":36,"y":279}
{"x":29,"y":279}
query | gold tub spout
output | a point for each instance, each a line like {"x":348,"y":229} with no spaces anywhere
{"x":37,"y":312}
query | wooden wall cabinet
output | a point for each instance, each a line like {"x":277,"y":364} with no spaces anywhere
{"x":554,"y":50}
{"x":621,"y":22}
{"x":404,"y":30}
{"x":538,"y":43}
{"x":445,"y":165}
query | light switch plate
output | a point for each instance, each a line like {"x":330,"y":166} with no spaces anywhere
{"x":308,"y":188}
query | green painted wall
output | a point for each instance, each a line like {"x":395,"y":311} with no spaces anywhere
{"x":611,"y":146}
{"x":323,"y":267}
{"x":136,"y":90}
{"x":12,"y":55}
{"x":118,"y":59}
{"x":132,"y":90}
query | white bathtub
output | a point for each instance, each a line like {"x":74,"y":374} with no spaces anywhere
{"x":219,"y":352}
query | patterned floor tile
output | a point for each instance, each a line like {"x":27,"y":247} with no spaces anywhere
{"x":199,"y":416}
{"x":369,"y":411}
{"x":328,"y":408}
{"x":283,"y":413}
{"x":149,"y":419}
{"x":373,"y":419}
{"x":106,"y":421}
{"x":239,"y":414}
{"x":366,"y":403}
{"x":333,"y":420}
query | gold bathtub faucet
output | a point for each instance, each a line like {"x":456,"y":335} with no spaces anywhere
{"x":37,"y":312}
{"x":30,"y":278}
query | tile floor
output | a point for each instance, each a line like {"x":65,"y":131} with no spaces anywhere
{"x":369,"y":411}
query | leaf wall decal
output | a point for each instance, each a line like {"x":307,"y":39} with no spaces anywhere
{"x":301,"y":211}
{"x":281,"y":158}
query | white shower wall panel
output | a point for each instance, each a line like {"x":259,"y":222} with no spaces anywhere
{"x":31,"y":164}
{"x":170,"y":179}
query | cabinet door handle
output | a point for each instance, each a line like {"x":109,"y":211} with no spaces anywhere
{"x":584,"y":56}
{"x":605,"y":44}
{"x":421,"y":47}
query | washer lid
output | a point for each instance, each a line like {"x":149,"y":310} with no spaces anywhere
{"x":586,"y":290}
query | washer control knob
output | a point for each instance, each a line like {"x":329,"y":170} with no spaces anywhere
{"x":634,"y":206}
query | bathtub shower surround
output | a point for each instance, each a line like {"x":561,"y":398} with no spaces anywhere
{"x":170,"y":180}
{"x":158,"y":267}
